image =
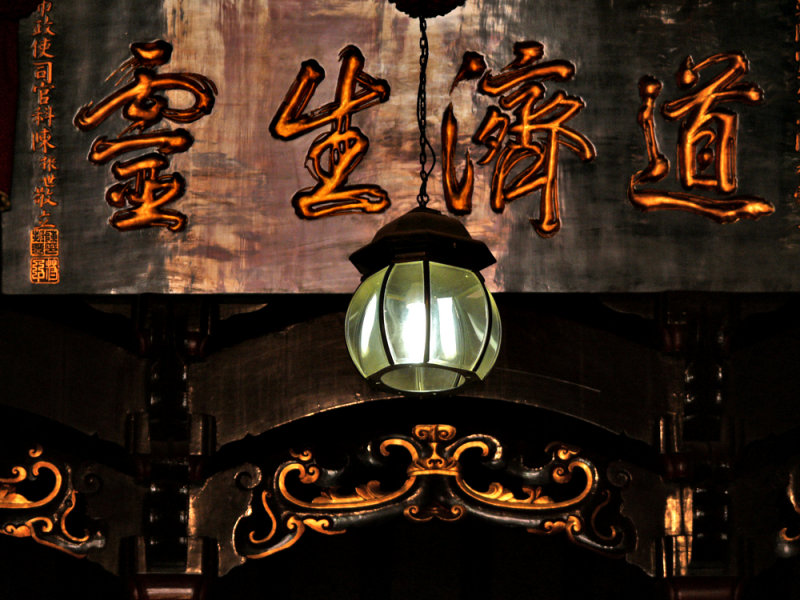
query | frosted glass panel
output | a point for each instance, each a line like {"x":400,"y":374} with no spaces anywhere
{"x":404,"y":313}
{"x":494,"y":342}
{"x":459,"y":317}
{"x":362,"y":328}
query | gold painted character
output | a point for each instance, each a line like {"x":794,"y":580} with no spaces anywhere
{"x":707,"y":142}
{"x":525,"y":148}
{"x":335,"y":154}
{"x":144,"y":190}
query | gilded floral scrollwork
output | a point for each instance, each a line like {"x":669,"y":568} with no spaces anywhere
{"x":37,"y":502}
{"x":432,"y":474}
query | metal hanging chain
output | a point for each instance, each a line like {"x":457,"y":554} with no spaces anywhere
{"x":422,"y":197}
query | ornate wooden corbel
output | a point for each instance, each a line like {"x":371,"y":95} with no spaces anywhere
{"x":434,"y":475}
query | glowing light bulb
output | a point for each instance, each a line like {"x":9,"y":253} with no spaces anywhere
{"x":414,"y":332}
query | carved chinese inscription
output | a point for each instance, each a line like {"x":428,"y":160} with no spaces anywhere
{"x":707,"y":142}
{"x":144,"y":191}
{"x":45,"y":236}
{"x":524,"y":145}
{"x":796,"y":40}
{"x":335,"y":154}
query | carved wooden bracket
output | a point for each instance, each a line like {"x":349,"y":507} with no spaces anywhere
{"x":38,"y":501}
{"x":434,"y":475}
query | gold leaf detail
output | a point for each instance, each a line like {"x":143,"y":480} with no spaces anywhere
{"x":572,"y":525}
{"x":369,"y":495}
{"x":321,"y":526}
{"x":563,"y":451}
{"x":9,"y":497}
{"x":561,"y":475}
{"x":20,"y":532}
{"x":63,"y":522}
{"x":428,"y":513}
{"x":274,"y":523}
{"x":497,"y":495}
{"x":370,"y":491}
{"x":593,"y":520}
{"x":434,"y":433}
{"x":784,"y":534}
{"x":292,"y":523}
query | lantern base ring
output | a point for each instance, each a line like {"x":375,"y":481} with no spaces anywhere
{"x":424,"y":379}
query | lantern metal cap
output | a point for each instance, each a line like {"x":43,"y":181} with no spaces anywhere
{"x":420,"y":234}
{"x":426,"y":8}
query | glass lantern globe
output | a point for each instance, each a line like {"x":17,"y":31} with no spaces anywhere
{"x":421,"y":324}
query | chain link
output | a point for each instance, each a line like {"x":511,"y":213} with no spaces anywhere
{"x":424,"y":144}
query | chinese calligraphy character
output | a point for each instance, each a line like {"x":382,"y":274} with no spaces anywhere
{"x":43,"y":114}
{"x":43,"y":81}
{"x":334,"y":155}
{"x":41,"y":47}
{"x":706,"y":142}
{"x":144,"y":190}
{"x":526,"y":148}
{"x":45,"y":270}
{"x":43,"y":26}
{"x":43,"y":196}
{"x":43,"y":69}
{"x":48,"y":164}
{"x":42,"y":89}
{"x":42,"y":140}
{"x":44,"y":219}
{"x":44,"y":242}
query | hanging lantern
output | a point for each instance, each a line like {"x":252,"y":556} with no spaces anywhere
{"x":422,"y":320}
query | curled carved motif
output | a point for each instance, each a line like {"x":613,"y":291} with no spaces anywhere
{"x":38,"y":502}
{"x":432,"y":474}
{"x":789,"y":537}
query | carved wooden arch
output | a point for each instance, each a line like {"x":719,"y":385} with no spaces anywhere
{"x":555,"y":482}
{"x":567,"y":495}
